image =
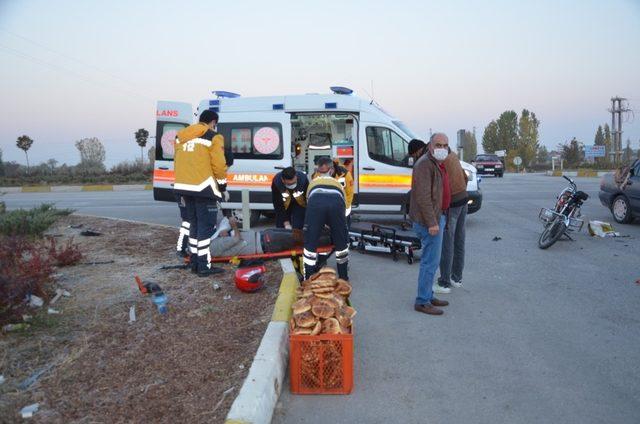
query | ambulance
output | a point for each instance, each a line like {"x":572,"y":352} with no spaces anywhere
{"x":268,"y":134}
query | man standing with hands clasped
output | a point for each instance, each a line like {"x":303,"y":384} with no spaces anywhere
{"x":430,"y":198}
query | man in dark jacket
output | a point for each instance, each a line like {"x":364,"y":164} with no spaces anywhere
{"x":429,"y":199}
{"x":289,"y":197}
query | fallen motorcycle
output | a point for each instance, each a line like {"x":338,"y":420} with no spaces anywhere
{"x":564,"y":218}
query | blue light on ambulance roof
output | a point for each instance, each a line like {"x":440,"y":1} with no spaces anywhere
{"x":225,"y":94}
{"x":214,"y":102}
{"x":278,"y":106}
{"x":341,"y":90}
{"x":331,"y":105}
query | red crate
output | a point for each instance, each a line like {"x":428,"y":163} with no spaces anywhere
{"x":321,"y":364}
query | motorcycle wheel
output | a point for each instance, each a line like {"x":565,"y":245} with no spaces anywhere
{"x":551,"y":233}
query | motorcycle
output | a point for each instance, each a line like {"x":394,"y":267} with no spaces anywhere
{"x":564,"y":217}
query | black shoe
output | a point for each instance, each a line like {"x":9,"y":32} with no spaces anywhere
{"x":209,"y":271}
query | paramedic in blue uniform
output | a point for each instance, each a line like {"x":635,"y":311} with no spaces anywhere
{"x":288,"y":193}
{"x":326,"y":205}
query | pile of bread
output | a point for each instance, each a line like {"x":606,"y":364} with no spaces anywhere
{"x":321,"y":305}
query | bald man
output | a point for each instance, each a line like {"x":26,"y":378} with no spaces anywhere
{"x":430,"y":198}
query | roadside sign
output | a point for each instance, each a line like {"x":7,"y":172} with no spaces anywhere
{"x":517,"y":161}
{"x":594,"y":151}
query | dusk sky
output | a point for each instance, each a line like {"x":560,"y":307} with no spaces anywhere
{"x":75,"y":69}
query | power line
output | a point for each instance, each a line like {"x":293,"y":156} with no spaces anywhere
{"x":68,"y":71}
{"x":36,"y":43}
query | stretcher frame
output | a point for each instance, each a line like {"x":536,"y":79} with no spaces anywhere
{"x":383,"y":239}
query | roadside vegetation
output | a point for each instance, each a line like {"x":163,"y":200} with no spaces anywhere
{"x":28,"y":258}
{"x":90,"y":170}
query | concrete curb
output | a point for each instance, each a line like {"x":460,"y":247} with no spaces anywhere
{"x":76,"y":188}
{"x":579,"y":173}
{"x":260,"y":391}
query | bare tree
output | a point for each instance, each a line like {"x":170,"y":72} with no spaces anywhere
{"x":24,"y":142}
{"x":52,"y":163}
{"x":142,"y":136}
{"x":92,"y":155}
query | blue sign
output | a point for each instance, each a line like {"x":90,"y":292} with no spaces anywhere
{"x":594,"y":151}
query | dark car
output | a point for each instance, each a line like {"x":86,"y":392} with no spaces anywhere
{"x":623,"y":202}
{"x":487,"y":164}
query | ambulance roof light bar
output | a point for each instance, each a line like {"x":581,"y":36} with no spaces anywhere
{"x":341,"y":90}
{"x":225,"y":94}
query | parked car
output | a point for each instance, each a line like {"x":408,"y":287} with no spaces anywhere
{"x":622,"y":199}
{"x":489,"y":164}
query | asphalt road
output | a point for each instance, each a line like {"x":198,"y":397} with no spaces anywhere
{"x":533,"y":336}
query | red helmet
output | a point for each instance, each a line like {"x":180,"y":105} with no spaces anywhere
{"x":249,"y":279}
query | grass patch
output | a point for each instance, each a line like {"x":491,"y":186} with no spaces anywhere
{"x":32,"y":222}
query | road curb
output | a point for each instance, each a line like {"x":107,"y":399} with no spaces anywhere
{"x":257,"y":398}
{"x":76,"y":188}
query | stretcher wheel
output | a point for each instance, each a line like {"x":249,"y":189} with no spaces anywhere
{"x":410,"y":259}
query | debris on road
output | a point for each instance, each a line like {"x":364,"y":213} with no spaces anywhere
{"x":90,"y":233}
{"x":56,"y":297}
{"x":1,"y":379}
{"x":52,"y":311}
{"x":28,"y":382}
{"x":601,"y":229}
{"x":28,"y":411}
{"x":216,"y":286}
{"x":132,"y":314}
{"x":15,"y":327}
{"x":496,"y":238}
{"x":35,"y":301}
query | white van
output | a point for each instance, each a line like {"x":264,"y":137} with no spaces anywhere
{"x":267,"y":134}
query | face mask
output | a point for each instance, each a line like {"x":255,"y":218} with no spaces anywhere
{"x":440,"y":154}
{"x":291,"y":186}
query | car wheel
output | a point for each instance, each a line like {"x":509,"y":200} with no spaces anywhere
{"x":621,"y":210}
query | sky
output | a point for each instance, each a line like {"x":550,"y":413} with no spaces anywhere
{"x":74,"y":69}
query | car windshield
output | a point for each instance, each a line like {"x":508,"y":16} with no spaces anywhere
{"x":404,"y":128}
{"x":487,"y":158}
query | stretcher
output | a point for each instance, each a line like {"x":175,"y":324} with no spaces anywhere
{"x":370,"y":237}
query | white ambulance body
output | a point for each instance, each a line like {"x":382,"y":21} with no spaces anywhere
{"x":267,"y":134}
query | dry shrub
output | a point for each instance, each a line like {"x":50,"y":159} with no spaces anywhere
{"x":65,"y":255}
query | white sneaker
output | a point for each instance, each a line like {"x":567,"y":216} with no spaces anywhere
{"x":456,"y":284}
{"x":437,"y":288}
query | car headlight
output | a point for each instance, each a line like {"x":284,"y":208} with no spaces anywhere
{"x":498,"y":165}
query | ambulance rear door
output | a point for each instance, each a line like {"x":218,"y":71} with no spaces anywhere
{"x":171,"y":117}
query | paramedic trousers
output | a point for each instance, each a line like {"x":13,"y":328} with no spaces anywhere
{"x":182,"y":246}
{"x":429,"y":260}
{"x":295,"y":215}
{"x":325,"y":209}
{"x":201,"y":214}
{"x":452,"y":260}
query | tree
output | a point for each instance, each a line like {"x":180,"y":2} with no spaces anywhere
{"x":572,"y":152}
{"x":92,"y":155}
{"x":542,"y":156}
{"x":528,"y":137}
{"x":599,"y":138}
{"x":490,"y":141}
{"x":52,"y":163}
{"x":24,"y":142}
{"x":1,"y":165}
{"x":142,"y":136}
{"x":608,"y":147}
{"x":469,"y":146}
{"x":508,"y":130}
{"x":151,"y":155}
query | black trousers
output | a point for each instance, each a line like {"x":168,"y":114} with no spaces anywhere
{"x":201,"y":215}
{"x":182,"y":246}
{"x":295,"y":215}
{"x":325,"y":209}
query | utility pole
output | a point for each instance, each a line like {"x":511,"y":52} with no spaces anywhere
{"x":618,"y":107}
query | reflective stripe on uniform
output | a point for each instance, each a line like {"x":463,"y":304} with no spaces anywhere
{"x":197,"y":188}
{"x":222,"y":181}
{"x":347,"y":212}
{"x":342,"y":256}
{"x":308,"y":261}
{"x":204,"y":243}
{"x":309,"y":253}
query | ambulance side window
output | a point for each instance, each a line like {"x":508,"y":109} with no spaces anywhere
{"x":386,"y":146}
{"x":253,"y":140}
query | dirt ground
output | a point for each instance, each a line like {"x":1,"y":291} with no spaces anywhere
{"x":185,"y":366}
